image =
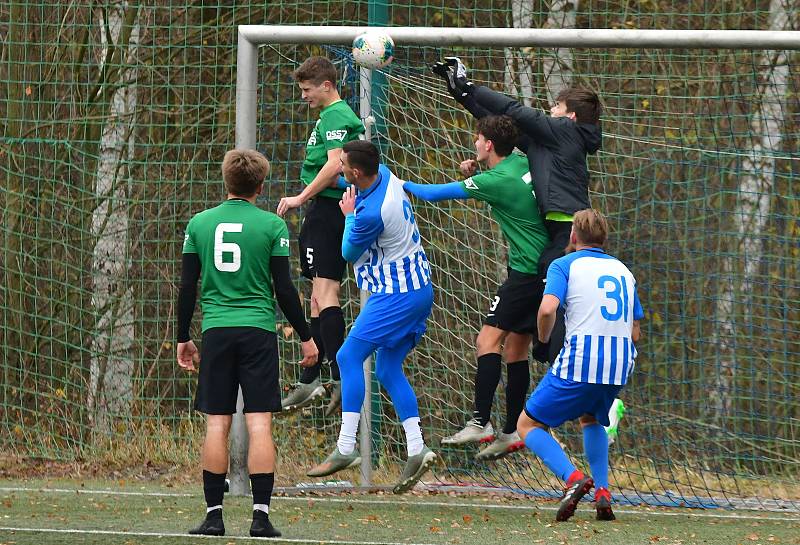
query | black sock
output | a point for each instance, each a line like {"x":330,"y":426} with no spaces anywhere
{"x":518,"y":378}
{"x":214,"y":490}
{"x":486,"y":380}
{"x":310,"y":374}
{"x":331,"y":326}
{"x":261,"y":484}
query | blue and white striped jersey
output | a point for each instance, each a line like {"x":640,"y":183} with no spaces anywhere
{"x":393,"y":260}
{"x":599,"y":295}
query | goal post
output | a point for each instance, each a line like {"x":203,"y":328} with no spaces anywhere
{"x":707,"y":413}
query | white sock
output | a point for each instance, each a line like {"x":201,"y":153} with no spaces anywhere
{"x":347,"y":434}
{"x":413,"y":435}
{"x":212,"y":508}
{"x":261,"y":507}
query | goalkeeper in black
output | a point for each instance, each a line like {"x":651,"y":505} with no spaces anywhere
{"x":556,"y":146}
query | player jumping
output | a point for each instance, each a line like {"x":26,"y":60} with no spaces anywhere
{"x":510,"y":321}
{"x":382,"y":241}
{"x":321,"y":232}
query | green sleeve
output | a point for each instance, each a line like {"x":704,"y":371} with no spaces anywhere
{"x":280,"y":243}
{"x":335,"y":129}
{"x":188,"y":239}
{"x":483,"y":187}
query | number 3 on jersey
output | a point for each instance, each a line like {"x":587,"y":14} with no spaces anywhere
{"x":221,"y":247}
{"x":408,"y":214}
{"x":618,"y":293}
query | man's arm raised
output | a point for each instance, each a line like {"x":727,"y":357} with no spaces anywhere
{"x":328,"y":176}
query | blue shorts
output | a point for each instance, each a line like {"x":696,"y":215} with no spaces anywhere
{"x":389,"y":318}
{"x":556,"y":400}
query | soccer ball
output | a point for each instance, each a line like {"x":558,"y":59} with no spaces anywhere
{"x":373,"y":49}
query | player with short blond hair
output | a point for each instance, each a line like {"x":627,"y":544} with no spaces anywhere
{"x":241,"y":255}
{"x":602,"y":309}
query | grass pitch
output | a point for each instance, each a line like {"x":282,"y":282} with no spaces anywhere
{"x":40,"y":512}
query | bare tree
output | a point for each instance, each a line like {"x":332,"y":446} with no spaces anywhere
{"x":516,"y":63}
{"x":752,"y":210}
{"x":558,"y":65}
{"x":112,"y":358}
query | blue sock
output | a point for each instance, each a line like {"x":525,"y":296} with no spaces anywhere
{"x":595,"y":444}
{"x":549,"y":451}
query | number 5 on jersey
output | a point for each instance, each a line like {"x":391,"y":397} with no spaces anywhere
{"x":221,"y":248}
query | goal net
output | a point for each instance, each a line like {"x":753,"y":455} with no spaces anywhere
{"x":697,"y":176}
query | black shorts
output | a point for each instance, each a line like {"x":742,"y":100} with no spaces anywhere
{"x":321,"y":240}
{"x":557,"y":335}
{"x":516,"y":304}
{"x":238,"y":356}
{"x":559,"y":240}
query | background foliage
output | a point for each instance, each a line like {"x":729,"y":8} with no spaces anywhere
{"x":117,"y":116}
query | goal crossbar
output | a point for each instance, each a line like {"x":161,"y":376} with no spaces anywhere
{"x":531,"y":37}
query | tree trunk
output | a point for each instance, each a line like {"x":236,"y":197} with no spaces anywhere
{"x":516,"y":63}
{"x":111,"y":368}
{"x":12,"y":209}
{"x":750,"y":214}
{"x":557,"y":66}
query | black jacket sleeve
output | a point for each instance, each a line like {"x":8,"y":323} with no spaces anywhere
{"x":187,"y":294}
{"x":472,"y":106}
{"x":287,"y":297}
{"x":479,"y":112}
{"x":534,"y":123}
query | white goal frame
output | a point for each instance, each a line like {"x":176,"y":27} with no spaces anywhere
{"x":252,"y":36}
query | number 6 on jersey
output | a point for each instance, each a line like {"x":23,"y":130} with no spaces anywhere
{"x":221,"y":247}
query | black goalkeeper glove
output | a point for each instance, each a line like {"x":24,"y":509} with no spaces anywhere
{"x":454,"y":74}
{"x":541,"y":351}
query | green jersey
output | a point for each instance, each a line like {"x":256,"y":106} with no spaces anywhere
{"x":234,"y":242}
{"x":337,"y":125}
{"x":508,"y":190}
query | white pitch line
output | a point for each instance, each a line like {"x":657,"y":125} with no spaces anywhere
{"x":83,"y":491}
{"x":187,"y":536}
{"x":536,"y":507}
{"x":422,"y":503}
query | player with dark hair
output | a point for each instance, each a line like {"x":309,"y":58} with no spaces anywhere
{"x":241,"y":254}
{"x":603,"y":311}
{"x":556,"y":146}
{"x":321,"y":232}
{"x":510,"y":321}
{"x":382,"y":242}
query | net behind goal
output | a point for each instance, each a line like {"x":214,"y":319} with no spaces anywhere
{"x":698,"y":176}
